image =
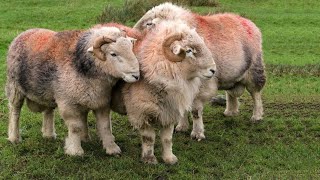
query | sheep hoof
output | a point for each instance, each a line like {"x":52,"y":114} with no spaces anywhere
{"x":72,"y":147}
{"x":231,"y":113}
{"x":172,"y":159}
{"x":49,"y":136}
{"x":14,"y":140}
{"x":74,"y":152}
{"x":197,"y":135}
{"x":151,"y":159}
{"x":113,"y":149}
{"x":181,"y":128}
{"x":255,"y":119}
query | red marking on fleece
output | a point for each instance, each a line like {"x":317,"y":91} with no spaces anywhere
{"x":201,"y":21}
{"x":129,"y":31}
{"x":203,"y":27}
{"x":41,"y":41}
{"x":247,"y":25}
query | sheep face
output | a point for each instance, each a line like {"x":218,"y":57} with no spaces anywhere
{"x":187,"y":49}
{"x":198,"y":60}
{"x":174,"y":51}
{"x":116,"y":57}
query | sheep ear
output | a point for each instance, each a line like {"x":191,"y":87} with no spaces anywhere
{"x":90,"y":50}
{"x":171,"y":50}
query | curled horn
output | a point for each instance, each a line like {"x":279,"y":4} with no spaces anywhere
{"x":138,"y":25}
{"x":167,"y":50}
{"x":97,"y":46}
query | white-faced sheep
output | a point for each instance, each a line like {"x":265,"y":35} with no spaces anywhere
{"x":236,"y":45}
{"x":172,"y":58}
{"x":73,"y":71}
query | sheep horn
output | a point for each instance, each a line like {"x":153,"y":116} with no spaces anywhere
{"x":167,"y":50}
{"x":97,"y":46}
{"x":138,"y":25}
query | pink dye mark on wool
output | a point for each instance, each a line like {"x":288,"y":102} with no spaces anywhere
{"x":247,"y":25}
{"x":204,"y":26}
{"x":129,"y":31}
{"x":201,"y":21}
{"x":41,"y":41}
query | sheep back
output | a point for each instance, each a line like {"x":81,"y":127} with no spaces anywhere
{"x":34,"y":58}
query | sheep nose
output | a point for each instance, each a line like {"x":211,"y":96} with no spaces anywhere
{"x":213,"y":71}
{"x":136,"y":77}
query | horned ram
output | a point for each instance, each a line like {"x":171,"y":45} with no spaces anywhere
{"x":173,"y":58}
{"x":236,"y":45}
{"x":73,"y":71}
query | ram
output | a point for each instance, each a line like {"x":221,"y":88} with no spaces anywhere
{"x":73,"y":71}
{"x":173,"y":58}
{"x":236,"y":45}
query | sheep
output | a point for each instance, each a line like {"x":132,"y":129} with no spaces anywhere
{"x":235,"y":43}
{"x":172,"y":60}
{"x":73,"y":71}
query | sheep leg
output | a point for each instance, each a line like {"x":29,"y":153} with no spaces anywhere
{"x":48,"y":129}
{"x":232,"y":107}
{"x":148,"y":139}
{"x":257,"y":106}
{"x":166,"y":140}
{"x":198,"y":127}
{"x":207,"y":91}
{"x":104,"y":127}
{"x":72,"y":118}
{"x":257,"y":82}
{"x":73,"y":141}
{"x":15,"y":104}
{"x":85,"y":137}
{"x":183,"y":124}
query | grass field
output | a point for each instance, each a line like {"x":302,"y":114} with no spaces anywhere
{"x":286,"y":145}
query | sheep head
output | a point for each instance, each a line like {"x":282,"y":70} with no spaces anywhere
{"x":186,"y":47}
{"x":164,"y":11}
{"x":174,"y":50}
{"x":113,"y":53}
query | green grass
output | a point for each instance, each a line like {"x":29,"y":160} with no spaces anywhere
{"x":284,"y":146}
{"x":289,"y":28}
{"x":132,"y":10}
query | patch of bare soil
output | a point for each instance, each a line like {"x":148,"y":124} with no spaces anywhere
{"x":291,"y":109}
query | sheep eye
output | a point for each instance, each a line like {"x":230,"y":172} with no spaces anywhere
{"x":113,"y":54}
{"x":188,"y":51}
